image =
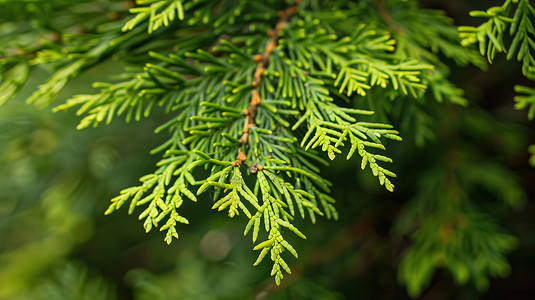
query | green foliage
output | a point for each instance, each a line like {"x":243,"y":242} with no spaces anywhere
{"x":526,"y":98}
{"x":49,"y":179}
{"x":451,"y":233}
{"x":254,"y":95}
{"x":490,"y":35}
{"x":450,"y":226}
{"x":531,"y":150}
{"x":206,"y":130}
{"x":158,"y":13}
{"x":516,"y":22}
{"x":73,"y":282}
{"x":448,"y":251}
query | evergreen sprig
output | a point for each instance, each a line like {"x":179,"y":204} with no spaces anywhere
{"x":513,"y":18}
{"x":159,"y":13}
{"x":251,"y":88}
{"x":234,"y":109}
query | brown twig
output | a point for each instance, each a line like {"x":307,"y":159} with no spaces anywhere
{"x":387,"y":18}
{"x":261,"y":61}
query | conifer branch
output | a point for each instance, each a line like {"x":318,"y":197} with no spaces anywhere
{"x":263,"y":85}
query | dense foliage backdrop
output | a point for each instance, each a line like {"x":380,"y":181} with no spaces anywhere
{"x":56,"y":182}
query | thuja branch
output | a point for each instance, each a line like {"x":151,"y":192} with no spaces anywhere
{"x":299,"y":68}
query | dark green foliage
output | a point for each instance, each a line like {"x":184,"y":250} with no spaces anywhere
{"x":73,"y":282}
{"x":257,"y":95}
{"x":513,"y":19}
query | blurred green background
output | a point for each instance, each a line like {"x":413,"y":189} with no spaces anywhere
{"x":55,"y":184}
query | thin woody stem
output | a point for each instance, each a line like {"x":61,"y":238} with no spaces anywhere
{"x":387,"y":18}
{"x":261,"y":61}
